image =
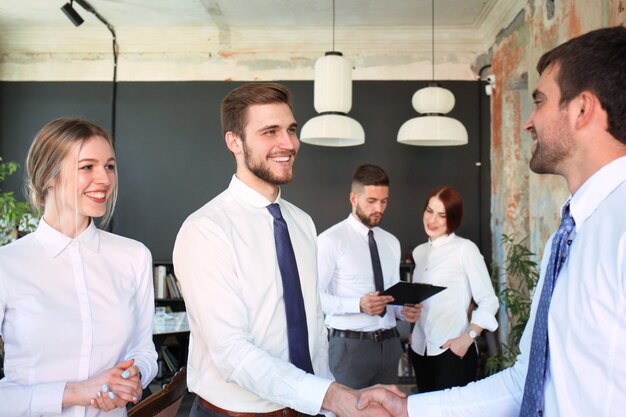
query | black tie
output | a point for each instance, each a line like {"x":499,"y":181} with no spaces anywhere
{"x":297,"y":332}
{"x":378,"y":270}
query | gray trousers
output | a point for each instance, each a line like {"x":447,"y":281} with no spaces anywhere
{"x":361,"y":363}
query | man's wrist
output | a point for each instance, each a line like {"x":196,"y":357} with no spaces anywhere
{"x":337,"y":396}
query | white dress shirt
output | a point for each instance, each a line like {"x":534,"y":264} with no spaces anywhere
{"x":69,"y":310}
{"x":586,"y":322}
{"x":225,"y":260}
{"x":455,"y":263}
{"x":346,"y":274}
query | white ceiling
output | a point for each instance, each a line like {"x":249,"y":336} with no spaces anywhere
{"x":253,"y":37}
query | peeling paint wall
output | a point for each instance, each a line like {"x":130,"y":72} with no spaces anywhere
{"x":525,"y":204}
{"x":200,"y":54}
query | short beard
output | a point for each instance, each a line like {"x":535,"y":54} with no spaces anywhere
{"x":548,"y":156}
{"x":365,"y":219}
{"x":263,"y":172}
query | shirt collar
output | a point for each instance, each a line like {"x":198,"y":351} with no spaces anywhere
{"x":597,"y":187}
{"x":359,"y":227}
{"x":442,"y":240}
{"x":55,"y":242}
{"x":249,"y":195}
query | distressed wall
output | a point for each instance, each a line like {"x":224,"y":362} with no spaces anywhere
{"x":525,"y":204}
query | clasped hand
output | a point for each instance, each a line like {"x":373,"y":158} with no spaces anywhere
{"x":111,"y":389}
{"x":383,"y":400}
{"x":376,"y":401}
{"x":121,"y":385}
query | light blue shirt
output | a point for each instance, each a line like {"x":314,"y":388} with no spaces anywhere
{"x":586,"y":322}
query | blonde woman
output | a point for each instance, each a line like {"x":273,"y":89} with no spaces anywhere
{"x":76,"y":302}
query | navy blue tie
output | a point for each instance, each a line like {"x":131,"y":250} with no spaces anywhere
{"x":532,"y":402}
{"x":297,"y":332}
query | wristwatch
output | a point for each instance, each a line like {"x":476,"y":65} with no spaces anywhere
{"x":472,"y":333}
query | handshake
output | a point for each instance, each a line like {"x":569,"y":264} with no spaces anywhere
{"x":376,"y":401}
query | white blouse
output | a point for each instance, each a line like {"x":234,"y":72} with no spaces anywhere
{"x":70,"y":309}
{"x":456,"y":263}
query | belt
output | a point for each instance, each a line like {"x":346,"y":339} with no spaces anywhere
{"x":283,"y":412}
{"x":376,"y":336}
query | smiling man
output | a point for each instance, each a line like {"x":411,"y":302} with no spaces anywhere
{"x":247,"y":266}
{"x":573,"y":355}
{"x":357,"y":260}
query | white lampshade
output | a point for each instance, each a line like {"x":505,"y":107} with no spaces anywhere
{"x":332,"y":87}
{"x":433,"y":129}
{"x":332,"y":130}
{"x":433,"y":99}
{"x":332,"y":99}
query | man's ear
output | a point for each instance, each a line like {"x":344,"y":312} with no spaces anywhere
{"x":233,"y":142}
{"x":353,"y":198}
{"x":587,"y":104}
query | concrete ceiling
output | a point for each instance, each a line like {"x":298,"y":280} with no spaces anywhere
{"x":247,"y":39}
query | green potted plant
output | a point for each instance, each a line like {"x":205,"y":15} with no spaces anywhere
{"x":16,"y":217}
{"x":522,"y":273}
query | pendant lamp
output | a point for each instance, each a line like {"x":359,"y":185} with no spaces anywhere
{"x":332,"y":89}
{"x":434,"y":101}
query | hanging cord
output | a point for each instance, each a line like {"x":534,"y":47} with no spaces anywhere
{"x":89,"y":8}
{"x":333,"y":25}
{"x":432,"y":37}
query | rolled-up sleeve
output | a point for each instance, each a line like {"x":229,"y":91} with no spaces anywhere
{"x":481,"y":287}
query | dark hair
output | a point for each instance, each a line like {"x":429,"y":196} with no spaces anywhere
{"x":453,"y":204}
{"x":595,"y":62}
{"x":369,"y":174}
{"x":235,"y":104}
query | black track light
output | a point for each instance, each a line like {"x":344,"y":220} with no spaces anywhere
{"x":72,"y":14}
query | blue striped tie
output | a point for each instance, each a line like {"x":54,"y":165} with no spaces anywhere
{"x":532,"y":402}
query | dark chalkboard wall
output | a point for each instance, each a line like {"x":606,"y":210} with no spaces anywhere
{"x":172,"y":157}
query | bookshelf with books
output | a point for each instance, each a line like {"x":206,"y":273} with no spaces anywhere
{"x":406,"y":270}
{"x":166,"y":287}
{"x":171,"y":345}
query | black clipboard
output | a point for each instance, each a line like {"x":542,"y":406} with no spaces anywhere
{"x":411,"y":293}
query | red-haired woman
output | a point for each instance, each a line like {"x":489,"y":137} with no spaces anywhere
{"x":444,"y":352}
